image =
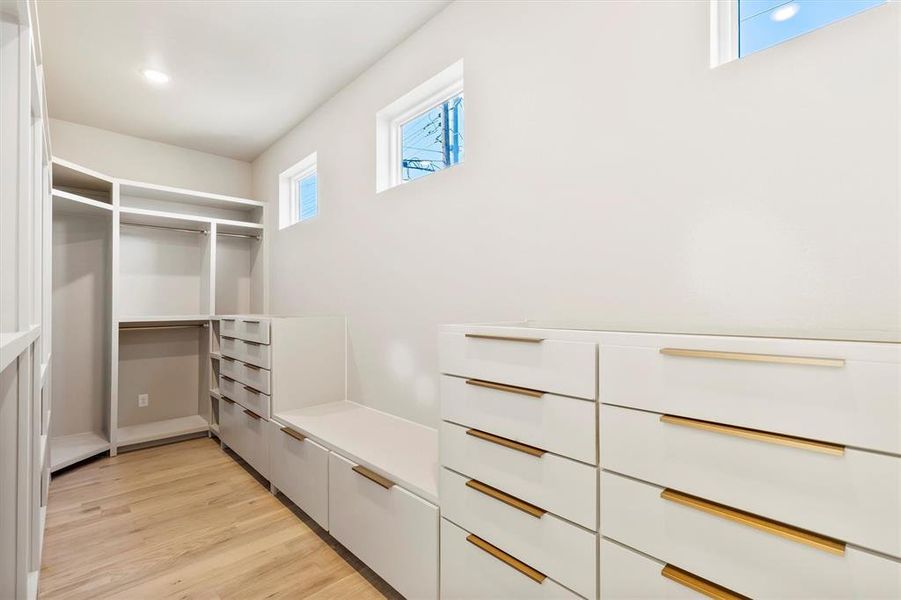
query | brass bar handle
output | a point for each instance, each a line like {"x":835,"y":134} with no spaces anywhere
{"x":227,"y":399}
{"x":801,"y":536}
{"x":505,"y":388}
{"x":529,"y":509}
{"x":251,"y":321}
{"x":251,"y":367}
{"x":252,"y":414}
{"x":505,"y":558}
{"x":227,"y":378}
{"x":226,"y":358}
{"x":504,"y":338}
{"x":812,"y":361}
{"x":757,"y":435}
{"x":507,"y":443}
{"x":296,"y":435}
{"x":252,"y":391}
{"x":373,"y":476}
{"x":252,"y":343}
{"x":699,"y":584}
{"x":224,"y":319}
{"x":228,"y":337}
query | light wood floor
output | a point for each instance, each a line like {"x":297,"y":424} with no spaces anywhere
{"x":187,"y":521}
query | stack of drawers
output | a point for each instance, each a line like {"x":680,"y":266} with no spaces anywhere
{"x":518,"y":482}
{"x":244,"y":388}
{"x":766,"y":468}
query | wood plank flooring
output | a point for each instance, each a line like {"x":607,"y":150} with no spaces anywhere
{"x":187,"y":521}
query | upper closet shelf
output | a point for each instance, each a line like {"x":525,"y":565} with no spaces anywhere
{"x":69,"y":203}
{"x":81,"y":182}
{"x":171,"y":194}
{"x":140,"y":321}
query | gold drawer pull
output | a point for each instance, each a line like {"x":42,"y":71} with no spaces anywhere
{"x":297,"y":436}
{"x":700,"y":585}
{"x":227,"y":399}
{"x":812,"y":361}
{"x":252,"y":391}
{"x":228,"y":337}
{"x":506,"y":558}
{"x":795,"y":534}
{"x":504,"y":338}
{"x":252,"y":414}
{"x":502,"y":441}
{"x":373,"y":476}
{"x":759,"y":436}
{"x":529,"y":509}
{"x":227,"y":378}
{"x":249,"y":321}
{"x":505,"y":388}
{"x":249,"y":343}
{"x":227,"y":358}
{"x":251,"y":367}
{"x":224,"y":319}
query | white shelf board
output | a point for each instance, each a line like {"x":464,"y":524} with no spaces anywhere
{"x":69,"y":174}
{"x":239,"y":227}
{"x":159,"y":218}
{"x":139,"y":320}
{"x":14,"y":343}
{"x":215,"y":356}
{"x":70,"y":449}
{"x":73,"y":204}
{"x":214,"y":392}
{"x":172,"y":194}
{"x":161,"y":430}
{"x":401,"y":450}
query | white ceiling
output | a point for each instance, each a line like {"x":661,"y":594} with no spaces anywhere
{"x":242,"y":72}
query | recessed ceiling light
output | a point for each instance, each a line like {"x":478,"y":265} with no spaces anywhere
{"x":784,"y":13}
{"x":154,"y":76}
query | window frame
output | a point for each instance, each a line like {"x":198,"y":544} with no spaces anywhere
{"x":415,"y":111}
{"x":289,"y":191}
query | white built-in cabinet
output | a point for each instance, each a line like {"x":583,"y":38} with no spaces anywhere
{"x":25,"y":349}
{"x":140,"y":272}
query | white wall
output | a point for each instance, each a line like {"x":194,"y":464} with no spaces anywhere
{"x":609,"y":175}
{"x":128,"y":157}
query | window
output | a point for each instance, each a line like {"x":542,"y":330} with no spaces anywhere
{"x":432,"y":140}
{"x":742,"y":27}
{"x":299,"y":193}
{"x":422,"y":132}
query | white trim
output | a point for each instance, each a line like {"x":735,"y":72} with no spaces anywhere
{"x":723,"y":32}
{"x":388,"y":121}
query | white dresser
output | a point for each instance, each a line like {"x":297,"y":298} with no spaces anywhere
{"x":264,"y":357}
{"x":729,"y":466}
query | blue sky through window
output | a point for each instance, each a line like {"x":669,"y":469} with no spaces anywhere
{"x":433,"y":141}
{"x":307,"y":197}
{"x":765,"y":23}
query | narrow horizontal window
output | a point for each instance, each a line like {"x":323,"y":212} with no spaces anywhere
{"x":432,"y":140}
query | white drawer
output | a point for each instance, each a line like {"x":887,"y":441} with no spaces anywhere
{"x":471,"y":570}
{"x":854,"y":399}
{"x":751,"y":561}
{"x":563,"y":551}
{"x":628,"y":574}
{"x":554,"y":423}
{"x":391,"y":530}
{"x":244,"y":432}
{"x":250,"y":375}
{"x":255,"y":400}
{"x":248,"y":352}
{"x":252,"y":329}
{"x":559,"y":485}
{"x":854,"y":496}
{"x":561,"y":367}
{"x":299,"y":468}
{"x":230,"y":388}
{"x":231,"y":367}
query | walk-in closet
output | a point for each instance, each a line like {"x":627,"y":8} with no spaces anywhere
{"x":450,"y":300}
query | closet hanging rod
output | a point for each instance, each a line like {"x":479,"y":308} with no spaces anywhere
{"x":145,"y":327}
{"x":187,"y":230}
{"x":183,"y":229}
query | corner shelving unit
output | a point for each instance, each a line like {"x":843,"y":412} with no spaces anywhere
{"x":177,"y":257}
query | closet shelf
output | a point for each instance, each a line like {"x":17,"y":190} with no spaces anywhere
{"x":401,"y":450}
{"x":161,"y":430}
{"x":73,"y":204}
{"x":170,"y":220}
{"x":142,"y":320}
{"x":173,"y":194}
{"x":70,"y":449}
